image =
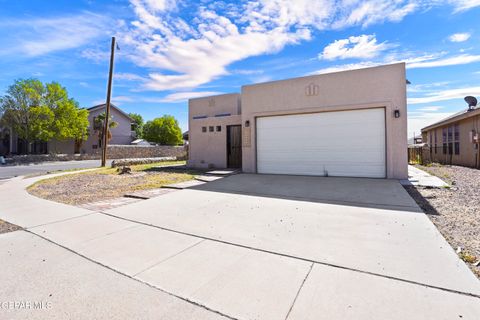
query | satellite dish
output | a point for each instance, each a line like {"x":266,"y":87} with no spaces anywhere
{"x":472,"y":102}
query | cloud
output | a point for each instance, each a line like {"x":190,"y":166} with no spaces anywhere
{"x":128,"y":76}
{"x":450,"y":61}
{"x":171,"y":98}
{"x":427,"y":87}
{"x":424,"y":61}
{"x":459,"y":37}
{"x":362,"y":47}
{"x":463,"y":5}
{"x":35,"y":37}
{"x":443,"y":95}
{"x":421,"y":119}
{"x":184,"y":96}
{"x":345,"y":67}
{"x":366,"y":13}
{"x":184,"y":53}
{"x":430,"y":108}
{"x":116,"y":100}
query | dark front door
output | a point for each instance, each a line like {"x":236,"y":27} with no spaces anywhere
{"x":234,"y":146}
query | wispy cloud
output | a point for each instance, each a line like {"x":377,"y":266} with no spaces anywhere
{"x":430,"y":108}
{"x":184,"y":54}
{"x":462,"y":5}
{"x":184,"y":96}
{"x":38,"y":36}
{"x":421,"y":119}
{"x":459,"y":37}
{"x":425,"y":61}
{"x":449,"y":61}
{"x":128,"y":76}
{"x":427,"y":87}
{"x":443,"y":95}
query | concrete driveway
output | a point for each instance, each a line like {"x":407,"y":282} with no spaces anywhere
{"x":259,"y":247}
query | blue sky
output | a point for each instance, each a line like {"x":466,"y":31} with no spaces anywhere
{"x":171,"y":50}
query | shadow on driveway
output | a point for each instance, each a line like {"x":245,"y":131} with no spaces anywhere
{"x":358,"y":192}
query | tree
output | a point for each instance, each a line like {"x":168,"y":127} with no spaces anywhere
{"x":38,"y":112}
{"x":99,"y":124}
{"x":137,"y":124}
{"x":70,"y":122}
{"x":22,"y":111}
{"x":164,"y":130}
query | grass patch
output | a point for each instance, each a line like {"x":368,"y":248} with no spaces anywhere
{"x":106,"y":183}
{"x":469,"y":258}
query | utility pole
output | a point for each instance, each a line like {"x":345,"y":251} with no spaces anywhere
{"x":107,"y":105}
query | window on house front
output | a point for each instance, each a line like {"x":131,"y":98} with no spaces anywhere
{"x":435,"y":135}
{"x":204,"y":129}
{"x":210,"y":128}
{"x":457,"y":139}
{"x":444,"y":140}
{"x":219,"y":128}
{"x":430,"y":142}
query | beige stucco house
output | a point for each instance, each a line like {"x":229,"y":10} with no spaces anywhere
{"x":350,"y":123}
{"x":454,"y":140}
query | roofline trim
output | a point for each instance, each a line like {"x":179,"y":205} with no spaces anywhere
{"x":465,"y":115}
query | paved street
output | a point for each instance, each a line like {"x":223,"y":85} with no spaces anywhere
{"x":242,"y":247}
{"x":9,"y":171}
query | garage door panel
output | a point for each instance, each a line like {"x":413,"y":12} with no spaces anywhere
{"x":346,"y":143}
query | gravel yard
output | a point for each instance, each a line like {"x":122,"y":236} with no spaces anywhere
{"x":456,"y":210}
{"x":8,"y":227}
{"x":104,"y":184}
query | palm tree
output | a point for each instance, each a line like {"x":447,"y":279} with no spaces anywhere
{"x":99,"y":124}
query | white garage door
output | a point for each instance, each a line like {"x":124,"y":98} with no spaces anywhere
{"x":344,"y":143}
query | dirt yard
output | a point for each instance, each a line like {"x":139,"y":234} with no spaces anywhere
{"x":103,"y":184}
{"x":7,"y":227}
{"x":456,"y":210}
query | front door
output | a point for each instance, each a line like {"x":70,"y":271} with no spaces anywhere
{"x":234,"y":146}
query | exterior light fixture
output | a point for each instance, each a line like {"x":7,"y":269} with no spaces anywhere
{"x":247,"y":123}
{"x":396,"y":113}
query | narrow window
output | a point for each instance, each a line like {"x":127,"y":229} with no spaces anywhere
{"x":457,"y":139}
{"x":210,"y":128}
{"x":435,"y":135}
{"x":219,"y":128}
{"x":444,"y":140}
{"x":450,"y":140}
{"x":204,"y":129}
{"x":430,"y":142}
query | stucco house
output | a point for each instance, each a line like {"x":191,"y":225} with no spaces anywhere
{"x":351,"y":123}
{"x":454,"y":140}
{"x":122,"y":134}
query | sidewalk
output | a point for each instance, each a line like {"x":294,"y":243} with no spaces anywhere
{"x":123,"y":269}
{"x":417,"y":177}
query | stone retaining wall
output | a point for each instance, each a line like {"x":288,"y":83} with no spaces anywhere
{"x":127,"y":151}
{"x":113,"y":152}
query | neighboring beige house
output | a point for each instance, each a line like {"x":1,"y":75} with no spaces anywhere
{"x":350,"y":123}
{"x":454,"y":140}
{"x":122,"y":134}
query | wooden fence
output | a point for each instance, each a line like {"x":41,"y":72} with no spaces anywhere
{"x":415,"y":155}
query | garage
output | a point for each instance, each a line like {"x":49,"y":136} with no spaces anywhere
{"x":345,"y":124}
{"x":341,"y":143}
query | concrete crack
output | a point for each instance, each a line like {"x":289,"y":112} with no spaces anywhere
{"x":298,"y":292}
